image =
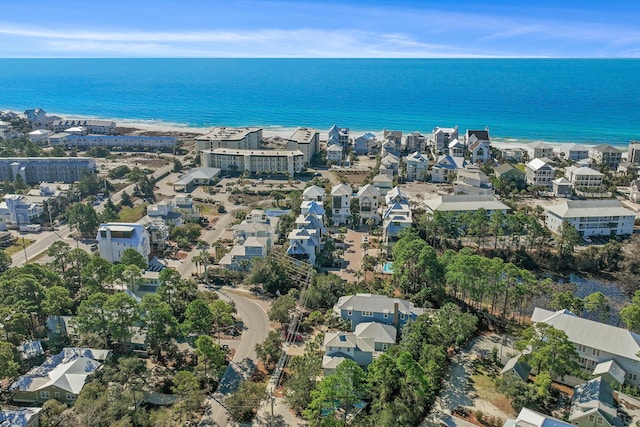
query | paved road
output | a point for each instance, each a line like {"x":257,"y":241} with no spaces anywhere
{"x":256,"y":325}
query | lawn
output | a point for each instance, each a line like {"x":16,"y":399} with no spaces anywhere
{"x":132,"y":214}
{"x":486,"y":389}
{"x":18,"y":246}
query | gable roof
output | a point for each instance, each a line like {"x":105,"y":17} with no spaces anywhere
{"x":514,"y":364}
{"x":537,"y":164}
{"x":368,"y":190}
{"x":589,"y":208}
{"x":341,"y":190}
{"x":416,"y":157}
{"x":376,"y":304}
{"x":313,"y":192}
{"x":465,"y":202}
{"x":606,"y":148}
{"x":507,"y":168}
{"x":446,"y":161}
{"x":590,"y":397}
{"x":379,"y":332}
{"x":613,"y":340}
{"x":530,"y":418}
{"x":480,"y":134}
{"x":539,"y":144}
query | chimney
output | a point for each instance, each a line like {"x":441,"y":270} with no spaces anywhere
{"x":396,"y":315}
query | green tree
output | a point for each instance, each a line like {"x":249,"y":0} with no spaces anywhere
{"x":132,"y":257}
{"x":89,"y":184}
{"x":550,"y":350}
{"x":303,"y":373}
{"x":244,"y":403}
{"x":98,"y":152}
{"x":222,"y":314}
{"x":630,"y":314}
{"x":270,"y":350}
{"x":159,"y":323}
{"x":57,"y":301}
{"x":108,"y":215}
{"x":198,"y":318}
{"x":282,"y":308}
{"x":338,"y":392}
{"x":8,"y":365}
{"x":598,"y":306}
{"x":565,"y":300}
{"x":422,"y":274}
{"x":568,"y":239}
{"x":83,"y":217}
{"x":5,"y":262}
{"x":210,"y":355}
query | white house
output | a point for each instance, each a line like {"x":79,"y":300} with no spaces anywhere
{"x":539,"y":150}
{"x":383,"y":183}
{"x":606,"y":155}
{"x":334,"y":153}
{"x":396,"y":214}
{"x":391,"y":163}
{"x":39,"y":135}
{"x":341,"y":203}
{"x":314,"y":193}
{"x":113,"y":238}
{"x":442,"y":137}
{"x":597,"y":343}
{"x":16,"y":210}
{"x":479,"y":144}
{"x":417,"y":167}
{"x":592,"y":217}
{"x":584,"y":177}
{"x":531,"y":418}
{"x":446,"y":167}
{"x":368,"y":199}
{"x":456,"y":148}
{"x":415,"y":141}
{"x":573,"y":152}
{"x":465,"y":203}
{"x":634,"y":191}
{"x":633,"y":155}
{"x":339,"y":134}
{"x":538,"y":172}
{"x":471,"y":180}
{"x":303,"y":245}
{"x":364,"y":143}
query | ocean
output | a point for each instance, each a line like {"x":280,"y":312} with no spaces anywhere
{"x":556,"y":100}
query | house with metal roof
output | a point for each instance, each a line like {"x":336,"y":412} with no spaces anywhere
{"x":361,"y":308}
{"x":573,"y":152}
{"x":598,"y":344}
{"x":516,"y":368}
{"x":23,"y":417}
{"x":634,"y":191}
{"x":368,"y":199}
{"x":314,"y":193}
{"x":539,"y":150}
{"x":364,"y":143}
{"x":539,"y":172}
{"x":460,"y":203}
{"x":60,"y":377}
{"x":383,"y":183}
{"x":396,"y":215}
{"x":341,"y":203}
{"x":530,"y":418}
{"x":471,"y":180}
{"x":593,"y":405}
{"x":442,"y":137}
{"x":592,"y":217}
{"x":195,"y":177}
{"x":313,"y":208}
{"x":561,"y":187}
{"x":334,"y":153}
{"x":479,"y":145}
{"x":417,"y":167}
{"x":456,"y":148}
{"x":584,"y":177}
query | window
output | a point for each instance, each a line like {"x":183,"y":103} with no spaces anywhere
{"x":385,"y":315}
{"x":402,"y":316}
{"x":367,"y":314}
{"x":385,"y":346}
{"x":592,"y":418}
{"x":71,"y":396}
{"x":581,"y":348}
{"x":600,"y":420}
{"x":632,"y":377}
{"x":349,"y":313}
{"x":596,"y":352}
{"x":45,"y":394}
{"x":582,"y":361}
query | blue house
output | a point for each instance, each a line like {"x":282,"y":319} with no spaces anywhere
{"x":362,"y":308}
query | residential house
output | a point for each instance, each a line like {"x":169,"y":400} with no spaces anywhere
{"x":334,"y":153}
{"x":363,"y":308}
{"x":60,"y":377}
{"x":479,"y":145}
{"x":393,"y":136}
{"x":417,"y":167}
{"x":364,"y":143}
{"x":539,"y":150}
{"x":34,"y":170}
{"x":508,"y":172}
{"x":29,"y":349}
{"x":314,"y":193}
{"x":241,"y":255}
{"x":606,"y":155}
{"x":257,"y":225}
{"x":166,"y":211}
{"x":465,"y":203}
{"x":254,"y":161}
{"x":538,"y":172}
{"x":16,"y":210}
{"x":415,"y":141}
{"x":584,"y":177}
{"x":39,"y":135}
{"x":456,"y":148}
{"x":396,"y":215}
{"x":304,"y":245}
{"x":597,"y":344}
{"x":633,"y":155}
{"x":513,"y":154}
{"x":368,"y":197}
{"x":634,"y":191}
{"x":113,"y":238}
{"x":573,"y":152}
{"x":516,"y":368}
{"x":561,"y":187}
{"x":340,"y":134}
{"x":389,"y":148}
{"x":313,"y":208}
{"x":102,"y":127}
{"x":307,"y":141}
{"x":39,"y":119}
{"x":362,"y":346}
{"x":471,"y":180}
{"x":195,"y":177}
{"x":592,"y":217}
{"x":442,"y":137}
{"x":531,"y":418}
{"x":248,"y":138}
{"x":446,"y":168}
{"x":593,"y":405}
{"x":22,"y":417}
{"x":391,"y":163}
{"x":341,"y":203}
{"x":383,"y":182}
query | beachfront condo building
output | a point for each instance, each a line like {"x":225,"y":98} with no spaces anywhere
{"x":234,"y":138}
{"x":254,"y":161}
{"x":103,"y":127}
{"x":592,"y":217}
{"x":34,"y":170}
{"x":67,"y":139}
{"x":307,"y":141}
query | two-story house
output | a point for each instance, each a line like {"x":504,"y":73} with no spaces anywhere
{"x":341,"y":203}
{"x":446,"y":168}
{"x":606,"y":155}
{"x":364,"y":143}
{"x":417,"y":167}
{"x":361,"y":308}
{"x":539,"y":150}
{"x":573,"y":152}
{"x":479,"y":145}
{"x":597,"y":344}
{"x":314,"y":193}
{"x":593,"y":405}
{"x":456,"y":148}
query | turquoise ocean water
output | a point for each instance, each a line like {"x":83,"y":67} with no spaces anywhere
{"x":565,"y":100}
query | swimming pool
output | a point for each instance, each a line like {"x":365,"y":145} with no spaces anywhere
{"x":387,"y":267}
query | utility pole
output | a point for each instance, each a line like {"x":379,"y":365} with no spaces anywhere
{"x":272,"y":399}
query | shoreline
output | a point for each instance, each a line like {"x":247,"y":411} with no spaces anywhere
{"x":273,"y":131}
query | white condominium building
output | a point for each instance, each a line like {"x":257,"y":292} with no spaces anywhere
{"x":235,"y":138}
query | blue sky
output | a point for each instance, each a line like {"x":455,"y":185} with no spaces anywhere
{"x":325,"y":28}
